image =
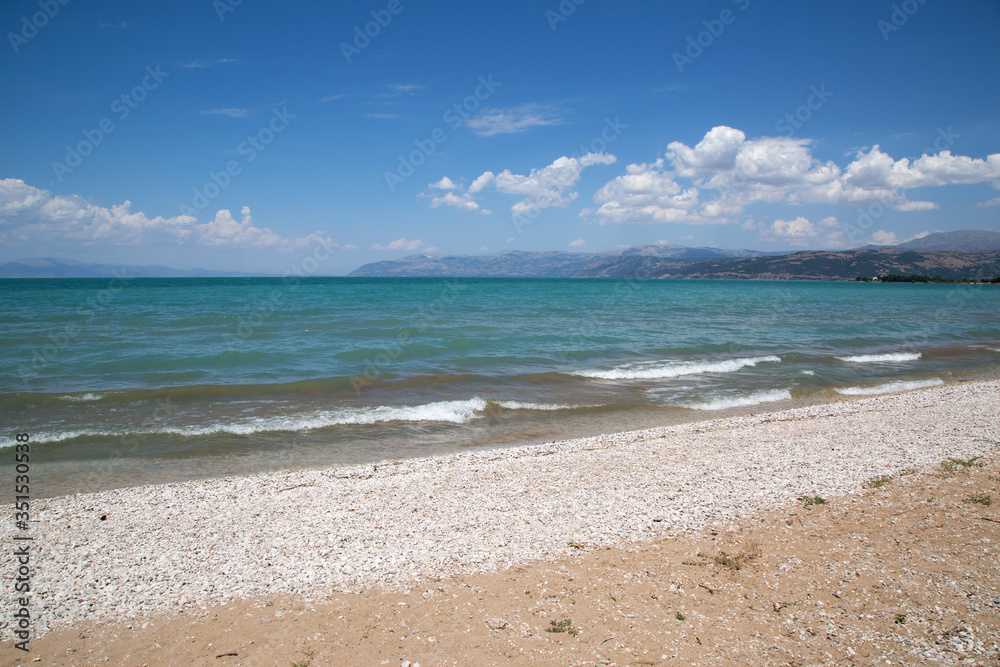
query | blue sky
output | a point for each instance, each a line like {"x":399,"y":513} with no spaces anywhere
{"x":245,"y":135}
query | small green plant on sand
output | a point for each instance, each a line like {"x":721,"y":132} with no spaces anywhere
{"x":877,"y":482}
{"x":809,"y":501}
{"x":305,"y":662}
{"x":697,"y":563}
{"x":981,"y":498}
{"x":565,"y":625}
{"x":680,"y":617}
{"x":900,"y":619}
{"x":733,"y":562}
{"x":953,"y":464}
{"x":727,"y":561}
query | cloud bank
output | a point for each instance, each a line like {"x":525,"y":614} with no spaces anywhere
{"x":29,"y":214}
{"x":726,"y":173}
{"x":541,"y":188}
{"x":715,"y":181}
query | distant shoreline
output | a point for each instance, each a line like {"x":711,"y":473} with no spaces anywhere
{"x":953,"y":255}
{"x":458,"y":277}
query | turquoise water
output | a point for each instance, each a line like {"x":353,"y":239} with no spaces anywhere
{"x":133,"y":381}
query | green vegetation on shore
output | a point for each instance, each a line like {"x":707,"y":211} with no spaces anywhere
{"x":896,"y":278}
{"x":877,"y":482}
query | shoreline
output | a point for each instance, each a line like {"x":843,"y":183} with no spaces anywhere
{"x":626,"y":424}
{"x":307,"y":533}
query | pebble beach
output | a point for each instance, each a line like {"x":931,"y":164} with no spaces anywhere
{"x":139,"y":552}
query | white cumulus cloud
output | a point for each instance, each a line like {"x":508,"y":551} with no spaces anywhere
{"x":915,"y":206}
{"x":463,"y":201}
{"x":799,"y":228}
{"x":30,"y":214}
{"x":800,"y":231}
{"x":882,"y":237}
{"x":444,"y":184}
{"x":549,"y":186}
{"x":400,"y":244}
{"x":716,"y":152}
{"x":545,"y":187}
{"x":725,"y":172}
{"x":647,"y":192}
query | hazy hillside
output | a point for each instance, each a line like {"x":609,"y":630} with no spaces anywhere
{"x":968,"y":239}
{"x":846,"y":265}
{"x":46,"y":267}
{"x":956,"y":255}
{"x":513,"y":263}
{"x":518,"y":263}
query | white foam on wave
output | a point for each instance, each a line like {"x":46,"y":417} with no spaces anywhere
{"x":889,"y":388}
{"x":891,"y":357}
{"x":519,"y":405}
{"x":808,"y":372}
{"x":62,"y":435}
{"x":456,"y":412}
{"x":765,"y":396}
{"x":81,"y":397}
{"x":651,"y":370}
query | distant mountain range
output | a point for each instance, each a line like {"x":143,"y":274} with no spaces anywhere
{"x":956,"y":255}
{"x":845,"y":265}
{"x":554,"y":264}
{"x":971,"y":240}
{"x":46,"y":267}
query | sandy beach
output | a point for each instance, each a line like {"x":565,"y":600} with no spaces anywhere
{"x":605,"y":532}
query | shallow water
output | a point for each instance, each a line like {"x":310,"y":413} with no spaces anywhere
{"x":150,"y":380}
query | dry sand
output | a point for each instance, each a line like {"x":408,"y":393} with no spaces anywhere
{"x":906,"y":572}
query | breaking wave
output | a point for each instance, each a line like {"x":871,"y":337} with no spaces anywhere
{"x":889,"y":387}
{"x":455,"y":412}
{"x":650,"y":370}
{"x":766,"y":396}
{"x":891,"y":357}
